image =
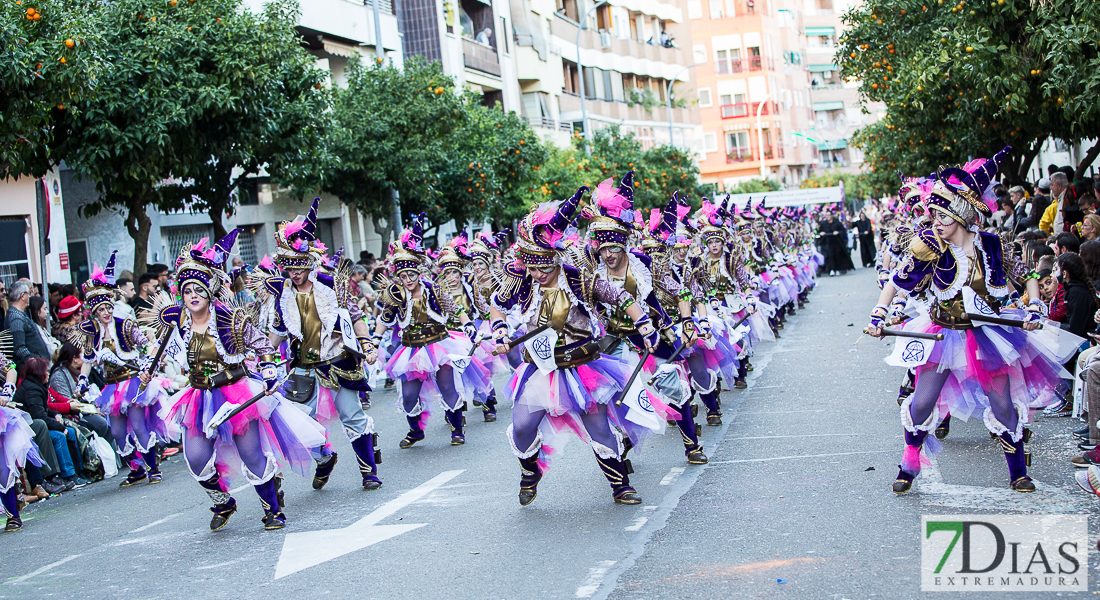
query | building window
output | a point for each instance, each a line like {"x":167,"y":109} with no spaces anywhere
{"x":704,"y":98}
{"x":755,"y":60}
{"x":695,"y":9}
{"x":572,"y":82}
{"x":710,"y":142}
{"x":737,"y":146}
{"x":175,"y":237}
{"x":733,"y":106}
{"x":13,"y":256}
{"x":699,"y":53}
{"x":568,"y":9}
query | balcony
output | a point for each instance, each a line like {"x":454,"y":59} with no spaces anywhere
{"x":744,"y":155}
{"x":480,"y":57}
{"x":548,"y":123}
{"x":747,"y":109}
{"x":756,"y":63}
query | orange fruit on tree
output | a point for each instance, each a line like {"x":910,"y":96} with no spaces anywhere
{"x":63,"y":61}
{"x":69,"y":43}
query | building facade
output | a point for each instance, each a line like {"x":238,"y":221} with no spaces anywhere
{"x":754,"y":90}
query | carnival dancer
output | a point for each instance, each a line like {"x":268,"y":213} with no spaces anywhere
{"x":432,"y":362}
{"x":315,"y":311}
{"x":573,"y":387}
{"x":217,"y":339}
{"x":1002,"y":372}
{"x":16,"y":447}
{"x":119,"y":347}
{"x":610,"y":228}
{"x":471,"y":288}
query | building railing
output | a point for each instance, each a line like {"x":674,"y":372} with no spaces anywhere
{"x":747,"y":109}
{"x":756,"y":63}
{"x":480,"y":57}
{"x":743,"y":155}
{"x":548,"y":123}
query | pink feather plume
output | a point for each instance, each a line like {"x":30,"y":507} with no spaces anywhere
{"x":97,"y":273}
{"x":267,"y":263}
{"x":610,"y":200}
{"x":655,"y":218}
{"x":294,"y":227}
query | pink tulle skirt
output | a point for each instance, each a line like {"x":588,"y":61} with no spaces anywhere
{"x":16,"y":446}
{"x":1030,"y":361}
{"x":286,"y":433}
{"x":119,"y":398}
{"x":566,"y":394}
{"x":421,"y":364}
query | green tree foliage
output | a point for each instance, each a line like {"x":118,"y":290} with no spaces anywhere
{"x":755,"y":186}
{"x":48,"y":60}
{"x":963,"y":79}
{"x":658,"y":171}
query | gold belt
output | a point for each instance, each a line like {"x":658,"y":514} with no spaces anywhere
{"x":121,"y":374}
{"x":573,"y":355}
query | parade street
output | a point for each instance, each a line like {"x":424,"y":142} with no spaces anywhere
{"x":795,"y":503}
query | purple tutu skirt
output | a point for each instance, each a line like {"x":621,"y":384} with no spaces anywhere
{"x":565,"y":394}
{"x":286,"y":433}
{"x":16,"y":447}
{"x":986,"y":358}
{"x":119,"y":398}
{"x":421,"y":364}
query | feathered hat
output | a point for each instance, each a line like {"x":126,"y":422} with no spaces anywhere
{"x":541,"y":234}
{"x":965,"y":193}
{"x":206,"y":266}
{"x":296,"y":243}
{"x":455,"y":254}
{"x":661,"y":228}
{"x":408,"y":254}
{"x":613,"y":216}
{"x":486,"y":245}
{"x":714,"y":220}
{"x":101,"y":286}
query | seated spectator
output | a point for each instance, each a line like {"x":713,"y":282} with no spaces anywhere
{"x":39,"y":312}
{"x":1080,"y":297}
{"x":26,"y":341}
{"x":1090,"y":255}
{"x":68,"y":316}
{"x":1064,"y":242}
{"x":63,"y":388}
{"x":1052,"y":294}
{"x":1089,"y":228}
{"x":32,"y":396}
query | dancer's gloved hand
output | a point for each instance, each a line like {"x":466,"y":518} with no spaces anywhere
{"x":81,"y":386}
{"x":878,"y":316}
{"x":270,"y":376}
{"x":689,"y":330}
{"x":704,"y":327}
{"x":1033,"y":320}
{"x":648,"y":331}
{"x":6,"y":393}
{"x":470,"y":330}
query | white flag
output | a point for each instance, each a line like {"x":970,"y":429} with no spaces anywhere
{"x":910,"y":352}
{"x":541,"y":350}
{"x":640,"y":408}
{"x":975,"y":305}
{"x":347,"y":331}
{"x":175,"y":349}
{"x":459,"y":361}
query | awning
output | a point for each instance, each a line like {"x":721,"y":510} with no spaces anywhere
{"x":832,"y":145}
{"x":338,"y":49}
{"x":835,"y":105}
{"x":820,"y":68}
{"x":828,"y":31}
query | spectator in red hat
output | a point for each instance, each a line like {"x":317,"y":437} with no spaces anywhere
{"x":68,"y":316}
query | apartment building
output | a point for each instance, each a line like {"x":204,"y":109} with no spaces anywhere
{"x":836,"y":105}
{"x":753,"y":90}
{"x":624,"y":59}
{"x":470,"y":38}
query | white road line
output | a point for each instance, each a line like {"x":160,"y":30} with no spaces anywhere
{"x":43,"y":569}
{"x":777,"y":437}
{"x":595,"y":578}
{"x":240,"y":489}
{"x":752,"y":460}
{"x":641,"y":521}
{"x":672,"y":475}
{"x":155,"y":523}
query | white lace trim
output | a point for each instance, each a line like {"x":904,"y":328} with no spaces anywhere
{"x":997,"y":428}
{"x":185,"y":327}
{"x":536,"y":445}
{"x":270,"y":469}
{"x":907,"y":418}
{"x":406,"y":311}
{"x":643,"y":277}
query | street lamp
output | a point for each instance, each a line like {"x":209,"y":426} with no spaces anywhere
{"x":668,"y":98}
{"x":760,"y":134}
{"x":580,"y":73}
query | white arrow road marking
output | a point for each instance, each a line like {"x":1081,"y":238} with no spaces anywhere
{"x":311,"y":548}
{"x":1046,"y":499}
{"x":672,"y":475}
{"x":43,"y":569}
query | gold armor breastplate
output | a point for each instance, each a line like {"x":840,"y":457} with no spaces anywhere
{"x":202,"y":354}
{"x":719,"y":284}
{"x":309,"y":349}
{"x":618,"y":322}
{"x":951,"y":313}
{"x":422,"y":330}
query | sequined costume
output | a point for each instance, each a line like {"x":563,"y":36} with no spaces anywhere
{"x":17,"y":447}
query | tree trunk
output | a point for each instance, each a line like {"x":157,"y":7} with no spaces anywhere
{"x":1086,"y":160}
{"x":383,"y":230}
{"x":215,"y":213}
{"x":137,"y":225}
{"x":1026,"y":160}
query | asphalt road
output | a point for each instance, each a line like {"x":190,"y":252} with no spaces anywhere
{"x":798,"y":490}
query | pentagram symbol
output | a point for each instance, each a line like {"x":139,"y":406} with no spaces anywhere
{"x":542,"y":348}
{"x":914,"y":352}
{"x":643,"y":401}
{"x":983,"y":306}
{"x":460,"y":363}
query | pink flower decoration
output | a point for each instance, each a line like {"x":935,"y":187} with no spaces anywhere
{"x":294,"y":227}
{"x":211,"y":254}
{"x":267,"y":264}
{"x":610,"y":200}
{"x":681,"y":211}
{"x":320,"y":246}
